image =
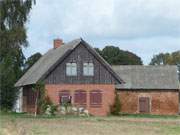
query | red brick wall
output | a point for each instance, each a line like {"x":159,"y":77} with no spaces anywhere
{"x":107,"y":96}
{"x":161,"y":102}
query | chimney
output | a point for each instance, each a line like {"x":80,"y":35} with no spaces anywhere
{"x":57,"y":43}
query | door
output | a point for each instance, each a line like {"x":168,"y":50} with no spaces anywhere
{"x":144,"y":105}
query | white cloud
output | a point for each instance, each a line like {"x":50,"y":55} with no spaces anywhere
{"x":141,"y":21}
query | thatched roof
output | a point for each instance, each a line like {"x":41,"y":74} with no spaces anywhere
{"x":148,"y":77}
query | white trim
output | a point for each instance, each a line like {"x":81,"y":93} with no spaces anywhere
{"x":19,"y":102}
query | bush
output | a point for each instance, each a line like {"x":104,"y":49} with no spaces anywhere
{"x":48,"y":107}
{"x":116,"y":107}
{"x":51,"y":109}
{"x":45,"y":104}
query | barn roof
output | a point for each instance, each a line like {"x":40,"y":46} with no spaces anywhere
{"x":148,"y":77}
{"x":50,"y":59}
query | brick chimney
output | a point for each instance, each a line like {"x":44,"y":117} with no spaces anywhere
{"x":57,"y":43}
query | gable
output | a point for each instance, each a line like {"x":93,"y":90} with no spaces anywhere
{"x":79,"y":55}
{"x":42,"y":69}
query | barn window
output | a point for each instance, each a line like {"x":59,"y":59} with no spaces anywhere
{"x":95,"y":98}
{"x":64,"y":97}
{"x":88,"y":69}
{"x":144,"y":104}
{"x":71,"y":69}
{"x":80,"y":97}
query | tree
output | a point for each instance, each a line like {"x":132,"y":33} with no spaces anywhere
{"x":31,"y":60}
{"x":114,"y":56}
{"x":166,"y":59}
{"x":13,"y":16}
{"x":39,"y":89}
{"x":116,"y":108}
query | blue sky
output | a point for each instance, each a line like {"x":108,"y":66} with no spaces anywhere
{"x":145,"y":27}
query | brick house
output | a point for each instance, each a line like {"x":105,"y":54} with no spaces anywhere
{"x":76,"y":73}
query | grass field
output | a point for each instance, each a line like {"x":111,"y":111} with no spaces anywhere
{"x":13,"y":124}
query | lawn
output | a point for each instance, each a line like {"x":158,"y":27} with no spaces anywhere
{"x":22,"y":124}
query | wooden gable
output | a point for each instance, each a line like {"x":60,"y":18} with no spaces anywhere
{"x":80,"y":55}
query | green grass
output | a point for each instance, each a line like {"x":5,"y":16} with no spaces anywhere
{"x":126,"y":124}
{"x":150,"y":116}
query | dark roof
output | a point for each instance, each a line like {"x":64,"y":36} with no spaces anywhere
{"x":148,"y":77}
{"x":53,"y":57}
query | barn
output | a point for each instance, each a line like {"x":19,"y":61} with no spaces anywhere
{"x":148,"y":89}
{"x":76,"y":73}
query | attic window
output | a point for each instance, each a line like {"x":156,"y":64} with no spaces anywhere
{"x":71,"y":69}
{"x":88,"y":69}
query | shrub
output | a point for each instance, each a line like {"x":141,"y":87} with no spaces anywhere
{"x":116,"y":107}
{"x":45,"y":104}
{"x":51,"y":109}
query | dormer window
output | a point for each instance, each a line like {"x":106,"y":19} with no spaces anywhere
{"x":71,"y":69}
{"x":88,"y":69}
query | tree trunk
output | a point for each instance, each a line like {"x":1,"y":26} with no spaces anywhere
{"x":36,"y":104}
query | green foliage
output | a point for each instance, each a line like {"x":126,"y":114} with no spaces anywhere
{"x":31,"y":60}
{"x":48,"y":107}
{"x":10,"y":71}
{"x":53,"y":109}
{"x":116,"y":108}
{"x":45,"y":103}
{"x":114,"y":56}
{"x":39,"y":88}
{"x":166,"y":59}
{"x":13,"y":16}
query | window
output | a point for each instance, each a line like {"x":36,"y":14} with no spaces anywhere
{"x":95,"y":98}
{"x":88,"y":69}
{"x":80,"y":97}
{"x":64,"y":97}
{"x":144,"y":104}
{"x":71,"y":69}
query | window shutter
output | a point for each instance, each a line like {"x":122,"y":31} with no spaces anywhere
{"x":80,"y":97}
{"x":95,"y":98}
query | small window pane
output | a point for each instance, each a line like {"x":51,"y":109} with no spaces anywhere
{"x":68,"y":69}
{"x":71,"y":69}
{"x":91,"y":70}
{"x":74,"y":69}
{"x":85,"y":68}
{"x":88,"y":69}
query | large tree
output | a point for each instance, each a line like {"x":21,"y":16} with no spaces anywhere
{"x":166,"y":59}
{"x":114,"y":56}
{"x":31,"y":60}
{"x":13,"y":16}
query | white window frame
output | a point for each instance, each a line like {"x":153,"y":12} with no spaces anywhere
{"x":88,"y":69}
{"x":71,"y":69}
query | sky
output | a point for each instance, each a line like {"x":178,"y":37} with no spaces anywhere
{"x":145,"y":27}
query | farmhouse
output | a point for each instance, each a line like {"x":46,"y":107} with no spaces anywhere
{"x":76,"y":73}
